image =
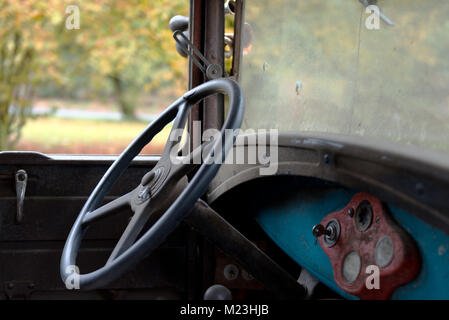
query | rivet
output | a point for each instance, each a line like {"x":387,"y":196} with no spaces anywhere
{"x":231,"y":272}
{"x":351,"y":212}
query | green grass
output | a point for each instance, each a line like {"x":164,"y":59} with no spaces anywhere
{"x":61,"y":134}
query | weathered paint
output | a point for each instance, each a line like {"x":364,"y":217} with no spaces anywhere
{"x":290,"y":223}
{"x":403,"y":267}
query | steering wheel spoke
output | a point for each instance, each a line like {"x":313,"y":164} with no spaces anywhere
{"x":173,"y":143}
{"x":107,"y":209}
{"x":132,"y":231}
{"x":183,"y":165}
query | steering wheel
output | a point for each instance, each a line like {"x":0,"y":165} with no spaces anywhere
{"x":163,"y":196}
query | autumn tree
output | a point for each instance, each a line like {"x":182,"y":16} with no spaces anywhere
{"x":121,"y":44}
{"x":22,"y":40}
{"x":127,"y":44}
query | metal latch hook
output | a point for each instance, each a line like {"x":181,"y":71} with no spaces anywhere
{"x":21,"y":184}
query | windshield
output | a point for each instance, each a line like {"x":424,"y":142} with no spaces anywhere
{"x":338,"y":66}
{"x":86,"y":77}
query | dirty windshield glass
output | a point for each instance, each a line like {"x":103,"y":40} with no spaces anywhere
{"x":376,"y":69}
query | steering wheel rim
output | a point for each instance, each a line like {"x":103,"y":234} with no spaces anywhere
{"x":177,"y":210}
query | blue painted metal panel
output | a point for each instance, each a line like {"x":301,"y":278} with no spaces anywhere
{"x":290,"y":223}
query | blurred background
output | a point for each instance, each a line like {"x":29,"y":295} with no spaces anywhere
{"x":86,"y":86}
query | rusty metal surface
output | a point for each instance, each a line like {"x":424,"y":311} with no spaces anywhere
{"x":238,"y":24}
{"x":242,"y":280}
{"x":196,"y":35}
{"x":57,"y":188}
{"x":213,"y":113}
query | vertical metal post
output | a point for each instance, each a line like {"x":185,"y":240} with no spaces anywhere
{"x":213,"y":113}
{"x":238,"y":36}
{"x":196,"y":28}
{"x":196,"y":35}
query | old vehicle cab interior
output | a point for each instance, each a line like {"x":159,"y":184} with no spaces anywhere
{"x":308,"y":158}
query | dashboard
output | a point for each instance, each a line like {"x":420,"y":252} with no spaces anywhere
{"x":319,"y":178}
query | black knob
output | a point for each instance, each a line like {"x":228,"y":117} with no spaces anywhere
{"x":178,"y":23}
{"x":319,"y":230}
